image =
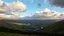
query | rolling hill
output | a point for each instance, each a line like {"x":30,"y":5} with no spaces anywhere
{"x":57,"y":27}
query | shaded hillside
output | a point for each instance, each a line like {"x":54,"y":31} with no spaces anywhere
{"x":57,"y":27}
{"x":11,"y":32}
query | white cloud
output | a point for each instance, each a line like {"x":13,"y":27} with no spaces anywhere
{"x":1,"y":2}
{"x":38,"y":12}
{"x":21,"y":16}
{"x":47,"y":10}
{"x":2,"y":7}
{"x":14,"y":13}
{"x":2,"y":10}
{"x":17,"y":6}
{"x":7,"y":17}
{"x":6,"y":10}
{"x":46,"y":14}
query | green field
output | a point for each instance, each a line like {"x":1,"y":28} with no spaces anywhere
{"x":13,"y":34}
{"x":6,"y":31}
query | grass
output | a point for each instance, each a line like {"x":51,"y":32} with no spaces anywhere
{"x":20,"y":24}
{"x":12,"y":32}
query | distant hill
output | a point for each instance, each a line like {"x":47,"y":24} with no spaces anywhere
{"x":38,"y":22}
{"x":57,"y":27}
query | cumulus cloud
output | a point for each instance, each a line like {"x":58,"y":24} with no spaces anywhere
{"x":2,"y":7}
{"x":1,"y":2}
{"x":46,"y":14}
{"x":2,"y":10}
{"x":14,"y":13}
{"x":10,"y":16}
{"x":47,"y":10}
{"x":10,"y":11}
{"x":7,"y":17}
{"x":59,"y":3}
{"x":17,"y":6}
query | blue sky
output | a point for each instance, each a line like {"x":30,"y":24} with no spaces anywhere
{"x":33,"y":7}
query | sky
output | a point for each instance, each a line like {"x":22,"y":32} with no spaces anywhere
{"x":23,"y":8}
{"x":32,"y":7}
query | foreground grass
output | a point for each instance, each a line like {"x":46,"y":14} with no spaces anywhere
{"x":12,"y":34}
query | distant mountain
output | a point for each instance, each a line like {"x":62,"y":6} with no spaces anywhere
{"x":57,"y":27}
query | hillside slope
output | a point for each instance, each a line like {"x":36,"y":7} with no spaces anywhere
{"x":57,"y":27}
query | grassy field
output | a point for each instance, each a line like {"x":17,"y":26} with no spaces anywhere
{"x":10,"y":30}
{"x":13,"y":34}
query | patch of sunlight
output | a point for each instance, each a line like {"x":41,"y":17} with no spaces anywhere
{"x":20,"y":24}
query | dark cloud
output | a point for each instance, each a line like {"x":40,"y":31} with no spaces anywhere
{"x":59,"y":3}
